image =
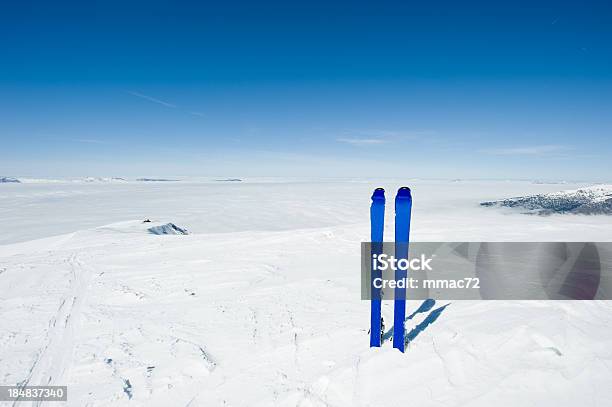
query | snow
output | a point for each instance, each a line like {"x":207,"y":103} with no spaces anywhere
{"x":443,"y":210}
{"x":104,"y":179}
{"x":260,"y":304}
{"x":156,"y":180}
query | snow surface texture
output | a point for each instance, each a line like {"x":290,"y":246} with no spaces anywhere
{"x":260,"y":305}
{"x":595,"y":200}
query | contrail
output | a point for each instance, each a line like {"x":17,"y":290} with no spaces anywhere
{"x":151,"y":99}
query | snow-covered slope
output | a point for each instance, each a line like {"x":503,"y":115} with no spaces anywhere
{"x":241,"y":314}
{"x":257,"y":319}
{"x":595,"y":200}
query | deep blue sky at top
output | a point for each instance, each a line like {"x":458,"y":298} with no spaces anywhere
{"x":425,"y":89}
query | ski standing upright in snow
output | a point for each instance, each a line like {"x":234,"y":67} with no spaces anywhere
{"x":403,"y":209}
{"x":377,"y":224}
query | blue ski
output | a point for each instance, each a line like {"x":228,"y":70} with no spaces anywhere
{"x":377,"y":224}
{"x":403,"y":208}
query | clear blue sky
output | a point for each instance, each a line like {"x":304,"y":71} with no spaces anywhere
{"x":410,"y":89}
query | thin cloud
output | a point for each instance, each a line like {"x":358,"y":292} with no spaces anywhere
{"x":544,"y":150}
{"x":88,"y":141}
{"x":151,"y":99}
{"x":197,"y":114}
{"x":392,"y":135}
{"x":377,"y":136}
{"x":361,"y":141}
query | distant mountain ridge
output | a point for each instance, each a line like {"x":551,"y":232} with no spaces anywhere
{"x":595,"y":200}
{"x":155,"y":180}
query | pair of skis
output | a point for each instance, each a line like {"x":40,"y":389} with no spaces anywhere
{"x":403,"y":209}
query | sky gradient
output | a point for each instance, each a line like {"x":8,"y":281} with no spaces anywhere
{"x":470,"y":90}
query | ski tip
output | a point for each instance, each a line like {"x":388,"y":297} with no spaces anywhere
{"x":379,"y":193}
{"x":403,"y":192}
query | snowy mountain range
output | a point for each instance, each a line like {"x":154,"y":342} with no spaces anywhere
{"x":594,"y":200}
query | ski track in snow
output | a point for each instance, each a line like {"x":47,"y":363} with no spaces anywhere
{"x":54,"y":358}
{"x":261,"y":318}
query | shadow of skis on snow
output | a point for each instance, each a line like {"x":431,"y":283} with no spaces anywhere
{"x":430,"y":319}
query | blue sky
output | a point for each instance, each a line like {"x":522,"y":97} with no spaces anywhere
{"x":408,"y":89}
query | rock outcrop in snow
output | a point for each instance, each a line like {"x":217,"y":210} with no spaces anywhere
{"x":595,"y":200}
{"x":168,"y":229}
{"x":9,"y":180}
